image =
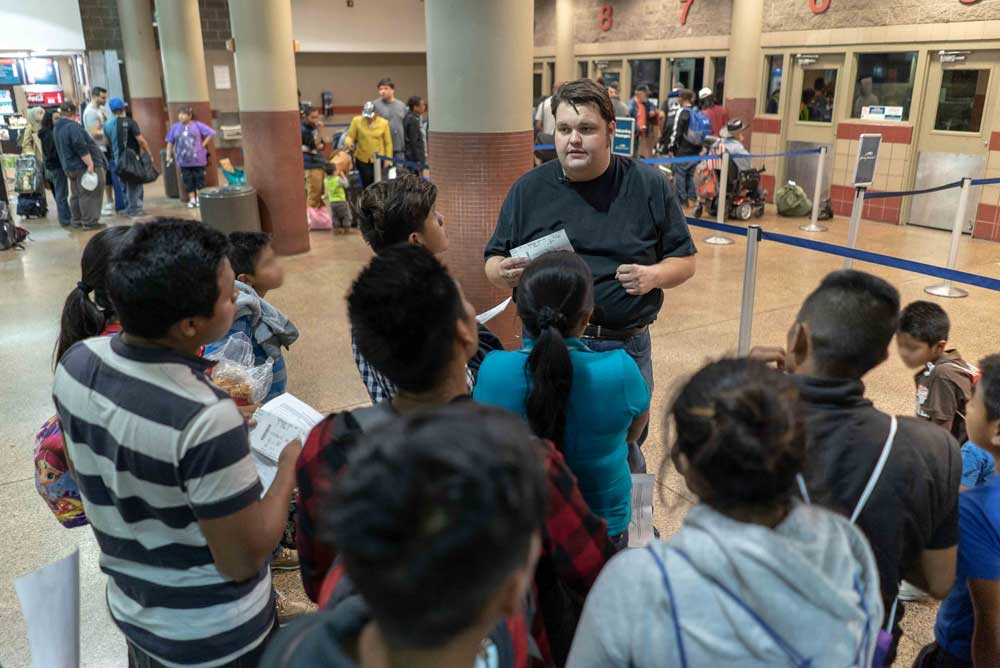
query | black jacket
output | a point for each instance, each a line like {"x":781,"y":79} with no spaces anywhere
{"x":72,"y":142}
{"x":414,"y":138}
{"x":311,"y":157}
{"x":676,"y":134}
{"x":48,"y":137}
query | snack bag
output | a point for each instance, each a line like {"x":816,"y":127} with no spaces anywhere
{"x":236,"y":374}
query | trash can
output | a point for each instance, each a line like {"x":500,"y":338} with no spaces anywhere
{"x":170,"y":187}
{"x":230,"y":208}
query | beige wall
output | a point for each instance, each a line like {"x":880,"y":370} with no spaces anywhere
{"x":780,"y":15}
{"x":636,"y":20}
{"x":545,"y":22}
{"x":353,"y":78}
{"x":222,"y":100}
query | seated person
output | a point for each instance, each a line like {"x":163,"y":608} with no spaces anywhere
{"x":754,"y":578}
{"x":258,"y":272}
{"x":590,"y":404}
{"x":842,"y":332}
{"x":405,"y":289}
{"x":163,"y":460}
{"x":400,"y":211}
{"x":440,"y":545}
{"x":967,"y":632}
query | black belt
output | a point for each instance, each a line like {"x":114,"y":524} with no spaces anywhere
{"x":602,"y":332}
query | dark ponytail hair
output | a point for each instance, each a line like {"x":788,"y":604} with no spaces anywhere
{"x":738,"y":424}
{"x":555,"y":292}
{"x":82,"y":317}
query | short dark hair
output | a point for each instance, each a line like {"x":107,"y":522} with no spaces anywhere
{"x":989,"y":385}
{"x":307,"y":110}
{"x":245,"y":249}
{"x":739,"y":424}
{"x":165,"y":271}
{"x":925,"y":321}
{"x":686,"y":94}
{"x":67,"y":107}
{"x":97,"y":90}
{"x":414,"y":101}
{"x":852,"y":317}
{"x":405,"y":289}
{"x":642,"y":88}
{"x":429,"y":533}
{"x":584,"y":92}
{"x":386,"y":81}
{"x":819,"y":84}
{"x":388,"y":212}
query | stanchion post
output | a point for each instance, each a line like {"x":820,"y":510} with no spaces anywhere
{"x":378,"y":168}
{"x":946,"y":289}
{"x":749,"y":289}
{"x":852,"y":231}
{"x":718,"y":239}
{"x":814,"y":225}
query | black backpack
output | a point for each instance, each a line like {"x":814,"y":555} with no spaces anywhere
{"x":11,"y":236}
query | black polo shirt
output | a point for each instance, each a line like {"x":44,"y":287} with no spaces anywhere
{"x":628,"y":215}
{"x":913,"y":507}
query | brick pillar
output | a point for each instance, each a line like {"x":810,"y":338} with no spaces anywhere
{"x":143,"y":71}
{"x":479,"y":144}
{"x":744,"y":62}
{"x":269,"y":117}
{"x":184,"y":75}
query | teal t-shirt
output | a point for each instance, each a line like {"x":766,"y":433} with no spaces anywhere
{"x":608,"y":393}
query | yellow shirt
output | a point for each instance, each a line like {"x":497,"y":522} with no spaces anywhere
{"x":369,"y":138}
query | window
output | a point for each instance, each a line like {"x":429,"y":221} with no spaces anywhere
{"x":581,"y":69}
{"x":773,"y":66}
{"x":884,"y":79}
{"x":536,"y":88}
{"x":687,"y":73}
{"x":961,"y":100}
{"x":816,"y":101}
{"x":646,"y":73}
{"x":719,"y":88}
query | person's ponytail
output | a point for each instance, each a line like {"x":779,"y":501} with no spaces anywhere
{"x":555,"y":295}
{"x":81,"y":319}
{"x":551,"y":373}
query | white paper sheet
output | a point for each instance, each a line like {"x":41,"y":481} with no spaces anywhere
{"x":50,"y":601}
{"x":221,"y":76}
{"x":640,"y":527}
{"x":266,"y":471}
{"x":486,"y":316}
{"x":279,"y":422}
{"x":557,"y":241}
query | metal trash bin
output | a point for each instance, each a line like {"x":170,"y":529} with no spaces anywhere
{"x":230,"y":208}
{"x":170,"y":187}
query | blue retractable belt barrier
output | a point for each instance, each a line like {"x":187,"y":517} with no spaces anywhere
{"x":924,"y":191}
{"x":864,"y":256}
{"x":707,"y":156}
{"x":984,"y":182}
{"x":545,"y":147}
{"x":406,"y":163}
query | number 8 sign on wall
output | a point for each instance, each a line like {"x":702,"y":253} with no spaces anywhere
{"x":607,"y":17}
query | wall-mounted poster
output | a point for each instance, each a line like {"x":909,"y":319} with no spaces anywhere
{"x":10,"y":72}
{"x":41,"y":71}
{"x":6,"y":102}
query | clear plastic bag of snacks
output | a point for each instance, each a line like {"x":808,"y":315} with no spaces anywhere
{"x":235,"y":372}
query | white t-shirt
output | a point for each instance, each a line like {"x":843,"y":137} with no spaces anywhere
{"x":544,"y":114}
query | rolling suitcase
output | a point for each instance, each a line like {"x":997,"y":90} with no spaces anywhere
{"x":27,"y":175}
{"x":31,"y":205}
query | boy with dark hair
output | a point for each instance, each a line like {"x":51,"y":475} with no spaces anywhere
{"x":258,"y":271}
{"x":405,"y":289}
{"x":388,"y":513}
{"x":967,"y":632}
{"x":163,"y":461}
{"x":842,"y":332}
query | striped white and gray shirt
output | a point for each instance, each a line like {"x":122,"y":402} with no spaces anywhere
{"x":157,"y":447}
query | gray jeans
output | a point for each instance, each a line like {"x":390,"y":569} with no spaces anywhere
{"x":85,"y":205}
{"x":341,"y":213}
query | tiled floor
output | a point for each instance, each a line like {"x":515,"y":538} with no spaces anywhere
{"x":699,"y":321}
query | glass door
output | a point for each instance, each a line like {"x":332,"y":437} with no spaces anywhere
{"x":953,"y":140}
{"x":811,"y":109}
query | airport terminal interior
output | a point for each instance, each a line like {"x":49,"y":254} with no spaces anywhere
{"x":859,"y":108}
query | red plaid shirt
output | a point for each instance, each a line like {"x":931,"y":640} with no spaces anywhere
{"x":574,"y":539}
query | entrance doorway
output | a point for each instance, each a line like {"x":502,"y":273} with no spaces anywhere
{"x":953,"y":138}
{"x":812,"y":103}
{"x":687,"y":73}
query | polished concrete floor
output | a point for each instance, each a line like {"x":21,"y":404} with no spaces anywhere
{"x":699,"y":321}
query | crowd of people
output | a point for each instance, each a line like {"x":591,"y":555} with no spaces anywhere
{"x":478,"y":512}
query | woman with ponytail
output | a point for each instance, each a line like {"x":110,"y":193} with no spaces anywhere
{"x":87,"y":313}
{"x":754,"y":578}
{"x":590,"y":404}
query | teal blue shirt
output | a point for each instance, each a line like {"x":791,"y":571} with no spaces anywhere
{"x":608,"y":394}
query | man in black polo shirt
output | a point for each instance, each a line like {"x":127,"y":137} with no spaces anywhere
{"x":621,"y":217}
{"x":842,"y":332}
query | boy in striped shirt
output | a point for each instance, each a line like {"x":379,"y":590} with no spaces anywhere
{"x":163,"y":462}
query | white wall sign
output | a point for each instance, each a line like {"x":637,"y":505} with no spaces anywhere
{"x":881,"y":113}
{"x":221,"y":75}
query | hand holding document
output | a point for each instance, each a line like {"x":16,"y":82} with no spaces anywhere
{"x":557,"y":241}
{"x":279,"y":422}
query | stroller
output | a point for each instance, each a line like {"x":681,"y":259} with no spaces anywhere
{"x":744,"y":197}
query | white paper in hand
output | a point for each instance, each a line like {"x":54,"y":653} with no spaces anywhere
{"x":486,"y":316}
{"x":557,"y":241}
{"x":279,"y":422}
{"x":50,"y":601}
{"x":640,"y":527}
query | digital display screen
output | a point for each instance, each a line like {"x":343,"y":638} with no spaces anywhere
{"x":10,"y":72}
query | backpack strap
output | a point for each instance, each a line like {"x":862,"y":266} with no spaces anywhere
{"x":370,"y":417}
{"x":673,"y":604}
{"x":877,"y":473}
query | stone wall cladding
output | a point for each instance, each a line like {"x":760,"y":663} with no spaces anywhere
{"x":782,"y":15}
{"x":101,"y":30}
{"x":634,"y":20}
{"x":545,"y":22}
